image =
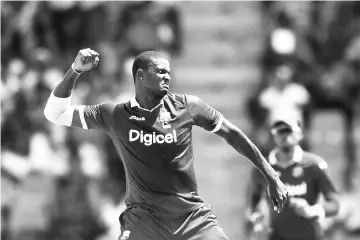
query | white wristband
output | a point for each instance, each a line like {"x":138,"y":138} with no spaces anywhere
{"x":73,"y":68}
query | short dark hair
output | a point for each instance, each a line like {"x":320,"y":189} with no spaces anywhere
{"x":144,"y":59}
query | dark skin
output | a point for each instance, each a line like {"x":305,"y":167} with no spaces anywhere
{"x":151,"y":85}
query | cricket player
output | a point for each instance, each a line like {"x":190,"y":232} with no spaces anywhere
{"x":304,"y":175}
{"x":152,"y":134}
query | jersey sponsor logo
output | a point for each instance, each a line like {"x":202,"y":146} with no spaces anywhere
{"x":297,"y":190}
{"x":137,"y":118}
{"x":297,"y":172}
{"x":151,"y":138}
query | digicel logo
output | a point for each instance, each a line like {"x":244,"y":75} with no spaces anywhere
{"x":151,"y":138}
{"x":297,"y":190}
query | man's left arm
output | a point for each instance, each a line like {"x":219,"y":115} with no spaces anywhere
{"x":331,"y":204}
{"x":208,"y":118}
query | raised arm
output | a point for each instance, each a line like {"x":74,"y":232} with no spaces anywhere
{"x":59,"y":109}
{"x":208,"y":118}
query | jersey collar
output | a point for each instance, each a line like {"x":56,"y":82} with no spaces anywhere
{"x":298,"y":155}
{"x":134,"y":103}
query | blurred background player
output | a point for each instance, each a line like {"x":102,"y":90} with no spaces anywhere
{"x":305,"y":176}
{"x":319,"y":41}
{"x":282,"y":94}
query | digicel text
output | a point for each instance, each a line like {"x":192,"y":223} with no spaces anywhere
{"x":151,"y":138}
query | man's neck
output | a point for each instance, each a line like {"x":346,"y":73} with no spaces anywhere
{"x":280,"y":87}
{"x":286,"y":154}
{"x":148,"y":101}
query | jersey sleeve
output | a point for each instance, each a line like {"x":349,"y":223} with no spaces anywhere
{"x":323,"y":180}
{"x":203,"y":115}
{"x":300,"y":94}
{"x":97,"y":116}
{"x":267,"y":98}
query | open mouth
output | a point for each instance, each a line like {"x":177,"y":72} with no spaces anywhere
{"x":165,"y":85}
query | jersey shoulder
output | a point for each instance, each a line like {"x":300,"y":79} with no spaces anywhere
{"x":121,"y":108}
{"x":313,"y":160}
{"x":110,"y":107}
{"x":176,"y":99}
{"x":112,"y":110}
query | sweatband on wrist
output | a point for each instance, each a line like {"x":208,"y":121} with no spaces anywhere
{"x":76,"y":71}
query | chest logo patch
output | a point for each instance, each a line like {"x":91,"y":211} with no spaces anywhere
{"x":137,"y":118}
{"x":297,"y":172}
{"x":297,"y":190}
{"x":164,"y":118}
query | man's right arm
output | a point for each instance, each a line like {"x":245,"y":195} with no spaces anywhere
{"x":208,"y":118}
{"x":59,"y":109}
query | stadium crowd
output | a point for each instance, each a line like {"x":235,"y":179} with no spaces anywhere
{"x":317,"y":61}
{"x":78,"y":173}
{"x":311,"y":62}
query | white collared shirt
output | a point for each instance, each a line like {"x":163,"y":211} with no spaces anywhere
{"x":135,"y":103}
{"x":297,"y":157}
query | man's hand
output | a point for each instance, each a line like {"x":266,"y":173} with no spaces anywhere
{"x":278,"y":193}
{"x":303,"y":209}
{"x":85,"y":60}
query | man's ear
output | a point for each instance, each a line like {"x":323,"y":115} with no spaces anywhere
{"x":140,"y":74}
{"x":300,"y":136}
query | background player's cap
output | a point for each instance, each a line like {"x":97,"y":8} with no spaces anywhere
{"x":284,"y":122}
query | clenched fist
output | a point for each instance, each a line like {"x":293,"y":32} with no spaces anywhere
{"x":85,"y":60}
{"x":278,"y":193}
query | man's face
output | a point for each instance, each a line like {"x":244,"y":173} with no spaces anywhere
{"x":285,"y":137}
{"x":157,"y":77}
{"x":283,"y":76}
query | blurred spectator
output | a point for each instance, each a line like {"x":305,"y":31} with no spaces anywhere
{"x":318,"y":39}
{"x":65,"y":27}
{"x":283,"y":95}
{"x":337,"y":83}
{"x":72,"y":214}
{"x":285,"y":42}
{"x":38,"y":41}
{"x":150,"y":25}
{"x":16,"y":125}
